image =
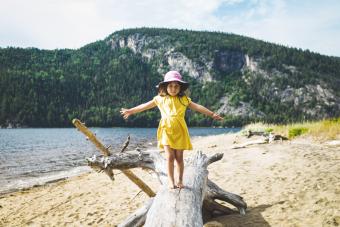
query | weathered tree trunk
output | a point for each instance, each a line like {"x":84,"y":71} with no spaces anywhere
{"x":170,"y":207}
{"x":182,"y":207}
{"x":174,"y":207}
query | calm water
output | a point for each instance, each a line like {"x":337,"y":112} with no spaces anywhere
{"x":35,"y":156}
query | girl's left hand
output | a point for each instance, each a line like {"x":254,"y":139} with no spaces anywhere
{"x":216,"y":116}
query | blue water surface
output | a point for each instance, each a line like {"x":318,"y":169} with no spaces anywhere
{"x":31,"y":156}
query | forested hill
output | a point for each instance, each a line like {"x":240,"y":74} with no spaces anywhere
{"x":242,"y":78}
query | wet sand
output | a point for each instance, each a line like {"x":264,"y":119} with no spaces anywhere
{"x":290,"y":183}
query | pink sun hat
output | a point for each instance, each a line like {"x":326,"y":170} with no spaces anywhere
{"x":174,"y":76}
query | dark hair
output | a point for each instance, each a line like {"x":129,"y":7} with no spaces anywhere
{"x":182,"y":92}
{"x":162,"y":90}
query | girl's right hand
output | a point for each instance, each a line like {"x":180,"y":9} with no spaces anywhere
{"x":125,"y":113}
{"x":216,"y":116}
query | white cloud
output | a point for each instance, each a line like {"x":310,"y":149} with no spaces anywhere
{"x":303,"y":28}
{"x":74,"y":23}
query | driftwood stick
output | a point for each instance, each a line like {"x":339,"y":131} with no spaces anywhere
{"x":125,"y":144}
{"x":215,"y":192}
{"x":123,"y":161}
{"x":81,"y":126}
{"x":213,"y":206}
{"x":250,"y":133}
{"x":139,"y":183}
{"x":243,"y":145}
{"x":214,"y":158}
{"x":137,"y":218}
{"x":106,"y":168}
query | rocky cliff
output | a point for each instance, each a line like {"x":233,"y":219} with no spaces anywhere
{"x":315,"y":100}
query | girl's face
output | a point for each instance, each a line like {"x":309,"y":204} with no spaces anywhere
{"x":173,"y":88}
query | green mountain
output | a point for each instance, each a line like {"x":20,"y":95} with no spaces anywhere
{"x":241,"y":78}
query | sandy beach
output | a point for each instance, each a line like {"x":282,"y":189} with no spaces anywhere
{"x":289,"y":183}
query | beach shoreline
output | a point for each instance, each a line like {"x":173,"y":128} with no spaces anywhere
{"x":290,"y":183}
{"x":32,"y":157}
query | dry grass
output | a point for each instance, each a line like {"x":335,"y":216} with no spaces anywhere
{"x":321,"y":130}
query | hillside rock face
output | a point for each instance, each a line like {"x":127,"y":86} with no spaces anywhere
{"x":312,"y":99}
{"x":173,"y":59}
{"x":229,"y":61}
{"x":177,"y":60}
{"x":243,"y":109}
{"x":315,"y":100}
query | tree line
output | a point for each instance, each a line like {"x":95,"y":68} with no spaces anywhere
{"x":48,"y":88}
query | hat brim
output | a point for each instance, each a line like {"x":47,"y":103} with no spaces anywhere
{"x":184,"y":85}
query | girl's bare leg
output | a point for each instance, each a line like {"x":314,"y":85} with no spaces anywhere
{"x":170,"y":156}
{"x":180,"y":167}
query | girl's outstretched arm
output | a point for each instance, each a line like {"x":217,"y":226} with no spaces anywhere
{"x":140,"y":108}
{"x":204,"y":110}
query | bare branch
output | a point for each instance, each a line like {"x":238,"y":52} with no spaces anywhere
{"x":125,"y":144}
{"x":214,"y":158}
{"x":137,"y":218}
{"x":215,"y":192}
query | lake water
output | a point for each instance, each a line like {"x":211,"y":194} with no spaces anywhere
{"x":36,"y":156}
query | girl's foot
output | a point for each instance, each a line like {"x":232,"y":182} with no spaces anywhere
{"x":172,"y":186}
{"x":180,"y":185}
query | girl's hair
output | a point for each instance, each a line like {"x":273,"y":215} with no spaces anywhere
{"x":163,"y":92}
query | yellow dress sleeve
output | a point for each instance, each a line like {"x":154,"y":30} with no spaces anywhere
{"x":186,"y":100}
{"x":156,"y":99}
{"x":189,"y":99}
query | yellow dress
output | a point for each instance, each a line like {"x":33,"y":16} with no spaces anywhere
{"x":172,"y":129}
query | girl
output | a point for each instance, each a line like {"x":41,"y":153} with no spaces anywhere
{"x":172,"y":133}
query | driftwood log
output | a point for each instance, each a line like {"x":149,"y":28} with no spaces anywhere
{"x":265,"y":137}
{"x":190,"y":206}
{"x":248,"y":143}
{"x":105,"y":151}
{"x":269,"y":135}
{"x":174,"y":207}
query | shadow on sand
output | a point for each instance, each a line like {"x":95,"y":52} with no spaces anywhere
{"x":253,"y":218}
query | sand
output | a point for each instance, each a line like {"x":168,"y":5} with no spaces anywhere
{"x":290,"y":183}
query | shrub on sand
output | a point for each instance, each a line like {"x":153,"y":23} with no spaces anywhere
{"x":327,"y":129}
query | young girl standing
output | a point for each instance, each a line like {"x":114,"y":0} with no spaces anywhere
{"x":172,"y":134}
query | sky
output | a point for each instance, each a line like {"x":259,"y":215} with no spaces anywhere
{"x":51,"y":24}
